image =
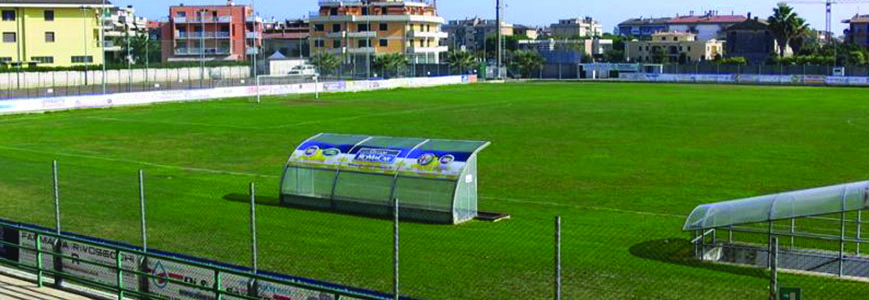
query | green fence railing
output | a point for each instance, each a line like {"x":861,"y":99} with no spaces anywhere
{"x":141,"y":269}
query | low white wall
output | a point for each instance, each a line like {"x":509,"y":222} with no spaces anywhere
{"x":111,"y":100}
{"x":77,"y":78}
{"x":810,"y":80}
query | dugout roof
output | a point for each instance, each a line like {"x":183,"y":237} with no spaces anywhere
{"x":789,"y":205}
{"x":415,"y":157}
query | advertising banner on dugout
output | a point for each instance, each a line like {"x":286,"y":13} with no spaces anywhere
{"x":407,"y":161}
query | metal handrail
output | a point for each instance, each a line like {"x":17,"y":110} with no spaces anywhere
{"x":118,"y":267}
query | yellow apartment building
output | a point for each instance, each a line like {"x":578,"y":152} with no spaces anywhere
{"x":51,"y":33}
{"x":357,"y":30}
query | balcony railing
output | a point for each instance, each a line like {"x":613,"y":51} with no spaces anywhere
{"x":253,"y":35}
{"x":203,"y":35}
{"x":427,"y":34}
{"x":202,"y":51}
{"x":206,"y":19}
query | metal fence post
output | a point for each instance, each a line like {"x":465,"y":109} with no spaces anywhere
{"x":120,"y":268}
{"x":557,"y":257}
{"x":57,"y":260}
{"x":395,"y":248}
{"x":253,"y":291}
{"x":143,"y":265}
{"x":773,"y":268}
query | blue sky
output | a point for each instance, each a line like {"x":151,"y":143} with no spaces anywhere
{"x":543,"y":12}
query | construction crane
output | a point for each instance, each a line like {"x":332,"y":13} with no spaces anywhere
{"x":828,"y":31}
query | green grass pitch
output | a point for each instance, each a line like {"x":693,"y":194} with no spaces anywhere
{"x":622,"y":163}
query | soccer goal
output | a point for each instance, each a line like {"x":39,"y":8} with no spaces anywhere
{"x":287,"y":84}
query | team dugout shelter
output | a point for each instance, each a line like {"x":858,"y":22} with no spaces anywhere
{"x":434,"y":180}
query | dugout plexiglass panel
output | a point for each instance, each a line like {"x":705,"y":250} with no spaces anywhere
{"x":434,"y":180}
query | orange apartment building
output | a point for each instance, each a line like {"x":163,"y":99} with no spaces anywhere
{"x":211,"y":32}
{"x":357,"y":30}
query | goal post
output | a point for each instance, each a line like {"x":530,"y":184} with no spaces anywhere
{"x":290,"y":81}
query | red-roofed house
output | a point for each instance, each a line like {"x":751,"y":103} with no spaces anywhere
{"x":707,"y":27}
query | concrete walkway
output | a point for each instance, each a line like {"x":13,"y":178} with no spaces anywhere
{"x":15,"y":289}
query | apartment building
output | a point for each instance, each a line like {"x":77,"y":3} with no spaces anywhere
{"x":289,"y":37}
{"x":211,"y":32}
{"x":642,"y":27}
{"x":858,"y":30}
{"x":576,"y":27}
{"x":471,"y":34}
{"x":673,"y":47}
{"x":121,"y":23}
{"x":50,"y":33}
{"x":357,"y":30}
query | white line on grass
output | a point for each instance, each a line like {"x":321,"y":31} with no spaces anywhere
{"x":647,"y":213}
{"x":170,"y":123}
{"x":137,"y":162}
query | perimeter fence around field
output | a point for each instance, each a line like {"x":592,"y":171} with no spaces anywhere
{"x":208,"y":214}
{"x":18,"y":84}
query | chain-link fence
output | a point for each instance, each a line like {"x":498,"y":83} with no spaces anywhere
{"x":584,"y":71}
{"x":537,"y":257}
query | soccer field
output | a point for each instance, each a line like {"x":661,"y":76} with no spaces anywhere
{"x":621,"y":163}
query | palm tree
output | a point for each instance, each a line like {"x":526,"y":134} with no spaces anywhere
{"x":786,"y":25}
{"x":527,"y":62}
{"x":461,"y":60}
{"x":393,"y":62}
{"x":326,"y":63}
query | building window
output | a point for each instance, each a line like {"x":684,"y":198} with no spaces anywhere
{"x":384,"y":26}
{"x":9,"y":37}
{"x":362,"y":27}
{"x":365,"y":11}
{"x":49,"y":15}
{"x":43,"y":59}
{"x":363,"y":44}
{"x":689,"y":48}
{"x":384,"y":43}
{"x":333,"y":11}
{"x":5,"y":59}
{"x":336,"y":27}
{"x":319,"y":27}
{"x":676,"y":38}
{"x":8,"y":15}
{"x":336,"y":44}
{"x":49,"y":37}
{"x":181,"y":14}
{"x":82,"y":59}
{"x":319,"y":43}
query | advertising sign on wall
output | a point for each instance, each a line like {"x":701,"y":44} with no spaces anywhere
{"x":81,"y":254}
